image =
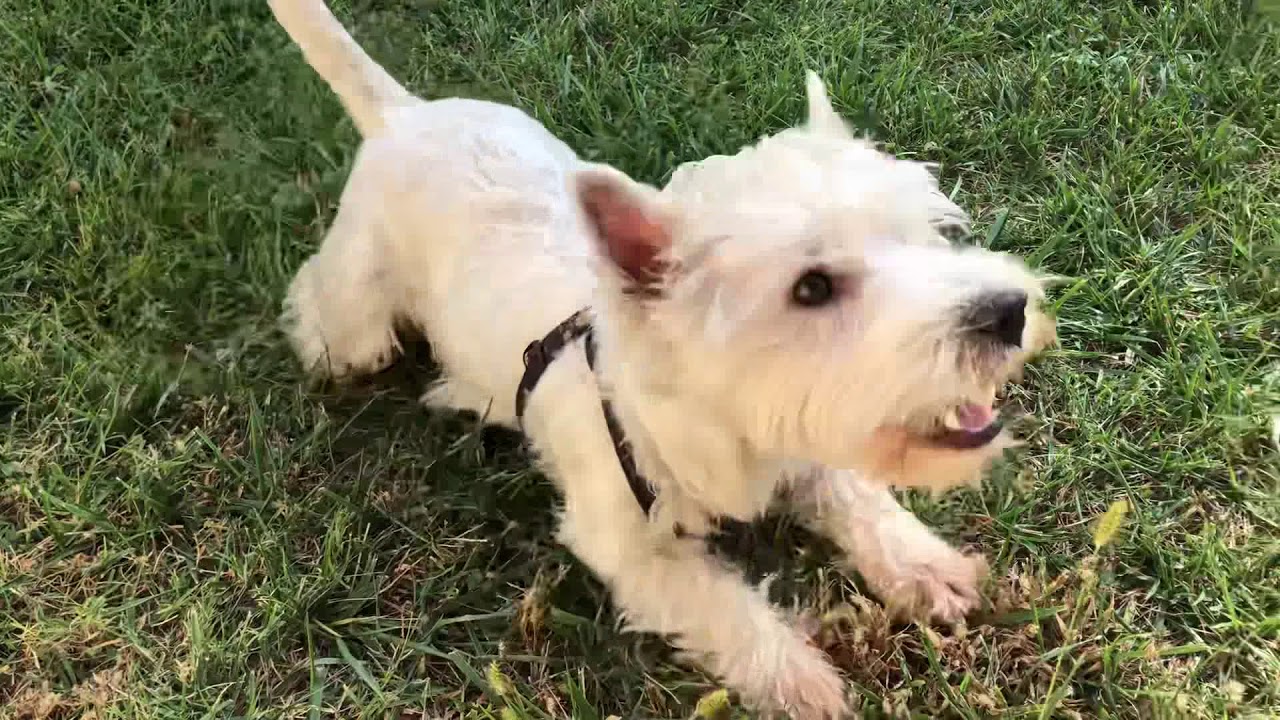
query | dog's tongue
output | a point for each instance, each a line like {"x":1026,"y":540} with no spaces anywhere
{"x":974,"y":417}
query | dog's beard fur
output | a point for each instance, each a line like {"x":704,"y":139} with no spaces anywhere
{"x":456,"y":220}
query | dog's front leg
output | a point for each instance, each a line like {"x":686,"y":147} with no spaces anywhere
{"x":915,"y":573}
{"x":671,"y":586}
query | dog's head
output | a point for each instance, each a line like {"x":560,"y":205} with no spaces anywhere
{"x":806,"y":292}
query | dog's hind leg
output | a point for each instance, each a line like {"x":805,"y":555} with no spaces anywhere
{"x":913,"y":571}
{"x":340,"y":311}
{"x":456,"y":395}
{"x":672,"y":587}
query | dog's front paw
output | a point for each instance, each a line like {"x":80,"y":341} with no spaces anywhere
{"x":927,"y":579}
{"x":800,"y":684}
{"x":819,"y":695}
{"x":944,"y":588}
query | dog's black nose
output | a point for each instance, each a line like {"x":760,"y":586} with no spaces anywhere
{"x":999,"y":317}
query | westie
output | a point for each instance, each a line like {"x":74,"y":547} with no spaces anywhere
{"x":787,"y":318}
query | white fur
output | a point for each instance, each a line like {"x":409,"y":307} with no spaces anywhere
{"x":470,"y":220}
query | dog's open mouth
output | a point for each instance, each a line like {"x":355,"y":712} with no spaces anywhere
{"x":968,"y":426}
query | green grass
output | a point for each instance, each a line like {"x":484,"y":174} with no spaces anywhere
{"x":187,"y":531}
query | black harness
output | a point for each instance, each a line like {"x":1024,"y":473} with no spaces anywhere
{"x":538,"y":357}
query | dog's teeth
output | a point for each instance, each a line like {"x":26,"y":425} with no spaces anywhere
{"x":952,"y":420}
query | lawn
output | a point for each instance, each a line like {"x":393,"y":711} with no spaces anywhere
{"x":187,"y":530}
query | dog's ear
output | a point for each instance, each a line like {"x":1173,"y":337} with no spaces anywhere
{"x":823,"y":118}
{"x":630,"y":226}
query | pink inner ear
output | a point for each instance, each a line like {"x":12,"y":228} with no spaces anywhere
{"x":631,"y":237}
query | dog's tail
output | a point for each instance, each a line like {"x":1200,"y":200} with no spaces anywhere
{"x":366,"y":90}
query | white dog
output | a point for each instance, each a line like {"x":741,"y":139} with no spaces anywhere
{"x":768,"y":318}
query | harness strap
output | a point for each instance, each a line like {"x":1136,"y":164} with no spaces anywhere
{"x":539,"y":355}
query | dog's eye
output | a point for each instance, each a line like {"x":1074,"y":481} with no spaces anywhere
{"x":815,"y":288}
